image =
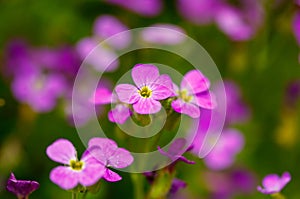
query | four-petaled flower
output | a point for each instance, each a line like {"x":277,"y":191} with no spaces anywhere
{"x":21,"y":188}
{"x":107,"y":152}
{"x":193,"y":94}
{"x":150,"y":88}
{"x":120,"y":113}
{"x":273,"y":183}
{"x":86,"y":171}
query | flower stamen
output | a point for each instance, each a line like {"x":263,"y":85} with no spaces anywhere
{"x":184,"y":96}
{"x":145,"y":92}
{"x":76,"y":165}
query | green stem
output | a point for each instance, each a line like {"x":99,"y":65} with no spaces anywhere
{"x":278,"y":196}
{"x":137,"y":180}
{"x":74,"y":195}
{"x":84,"y":195}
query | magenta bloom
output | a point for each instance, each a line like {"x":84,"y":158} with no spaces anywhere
{"x":87,"y":171}
{"x":230,"y":143}
{"x":120,"y":113}
{"x":21,"y":188}
{"x":273,"y":183}
{"x":107,"y":152}
{"x":163,"y":34}
{"x":193,"y":94}
{"x":143,"y":7}
{"x":150,"y":88}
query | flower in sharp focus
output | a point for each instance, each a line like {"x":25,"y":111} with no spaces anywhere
{"x":107,"y":152}
{"x":120,"y":113}
{"x":150,"y":88}
{"x":193,"y":94}
{"x":230,"y":143}
{"x":273,"y":183}
{"x":21,"y":188}
{"x":87,"y":171}
{"x":176,"y":150}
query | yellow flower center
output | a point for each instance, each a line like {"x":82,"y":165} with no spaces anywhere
{"x":184,"y":96}
{"x":76,"y":165}
{"x":145,"y":92}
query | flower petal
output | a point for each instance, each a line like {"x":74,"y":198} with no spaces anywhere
{"x":21,"y":187}
{"x":285,"y":178}
{"x":186,"y":108}
{"x":111,"y":176}
{"x":119,"y":114}
{"x":93,"y":171}
{"x":64,"y":177}
{"x":147,"y":106}
{"x":144,"y":74}
{"x":194,"y":82}
{"x":121,"y":158}
{"x":127,"y":93}
{"x":102,"y":149}
{"x":62,"y":151}
{"x":271,"y":183}
{"x":205,"y":100}
{"x":162,"y":88}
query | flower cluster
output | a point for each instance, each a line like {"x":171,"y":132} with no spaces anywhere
{"x":151,"y":88}
{"x":94,"y":164}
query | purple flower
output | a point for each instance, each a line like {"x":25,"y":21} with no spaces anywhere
{"x":175,"y":151}
{"x":273,"y":183}
{"x":163,"y":34}
{"x":120,"y":113}
{"x":87,"y":171}
{"x":193,"y":94}
{"x":223,"y":154}
{"x":143,"y":7}
{"x":150,"y":88}
{"x":21,"y":188}
{"x":37,"y":78}
{"x":107,"y":152}
{"x":293,"y":93}
{"x":177,"y":184}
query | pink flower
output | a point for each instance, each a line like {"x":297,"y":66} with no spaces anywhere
{"x":86,"y":171}
{"x":107,"y":152}
{"x":273,"y":183}
{"x":120,"y":113}
{"x":230,"y":143}
{"x":150,"y":88}
{"x":193,"y":94}
{"x":163,"y":34}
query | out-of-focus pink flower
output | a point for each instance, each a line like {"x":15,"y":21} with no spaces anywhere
{"x":150,"y":88}
{"x":40,"y":75}
{"x":193,"y":94}
{"x":222,"y":156}
{"x":198,"y":11}
{"x":106,"y":26}
{"x":107,"y":152}
{"x":226,"y":185}
{"x":143,"y":7}
{"x":163,"y":34}
{"x":273,"y":183}
{"x":104,"y":57}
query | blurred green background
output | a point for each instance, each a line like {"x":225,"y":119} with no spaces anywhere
{"x":263,"y":67}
